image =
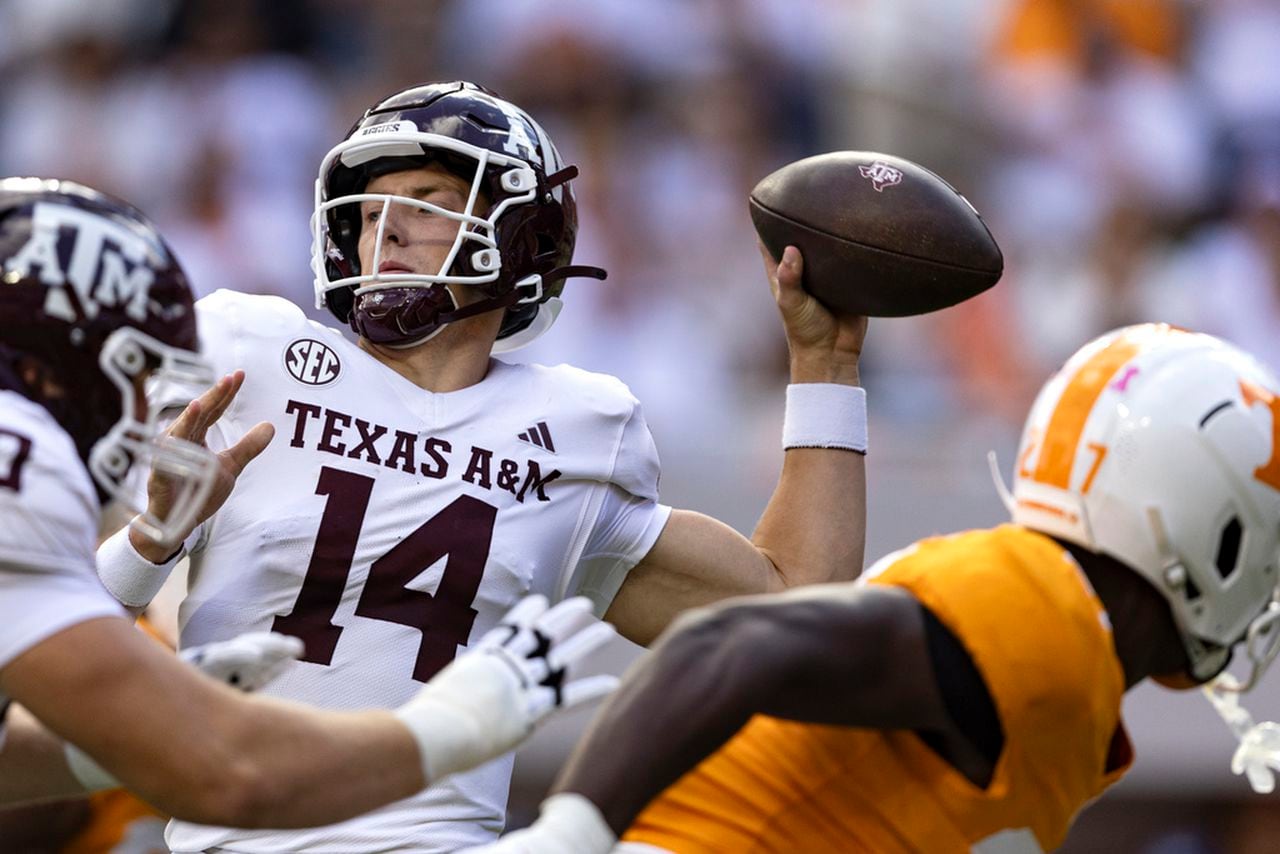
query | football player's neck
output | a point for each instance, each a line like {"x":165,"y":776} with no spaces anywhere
{"x":1146,"y":639}
{"x":456,"y":358}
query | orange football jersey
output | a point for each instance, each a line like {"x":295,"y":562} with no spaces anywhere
{"x":1024,"y":611}
{"x":118,"y":817}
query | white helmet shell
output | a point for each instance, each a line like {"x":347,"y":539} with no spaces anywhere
{"x":1161,"y":448}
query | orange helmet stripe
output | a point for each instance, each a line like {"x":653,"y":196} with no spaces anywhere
{"x":1066,"y":425}
{"x":1268,"y":473}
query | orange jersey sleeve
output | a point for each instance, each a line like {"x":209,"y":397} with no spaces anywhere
{"x":1027,"y":616}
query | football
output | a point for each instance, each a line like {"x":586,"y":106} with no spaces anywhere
{"x":879,"y":235}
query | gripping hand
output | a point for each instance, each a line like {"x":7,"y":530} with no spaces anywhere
{"x":490,"y":698}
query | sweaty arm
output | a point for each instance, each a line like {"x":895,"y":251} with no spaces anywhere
{"x":813,"y":529}
{"x":832,"y":654}
{"x":201,"y":751}
{"x":191,"y":746}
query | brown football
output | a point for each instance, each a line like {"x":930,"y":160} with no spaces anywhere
{"x":879,"y":235}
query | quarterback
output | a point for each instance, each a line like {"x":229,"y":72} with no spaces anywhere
{"x":93,"y":306}
{"x":965,"y":695}
{"x":418,"y":486}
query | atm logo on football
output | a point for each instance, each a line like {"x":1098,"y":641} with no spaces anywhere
{"x":311,"y":362}
{"x":881,"y":175}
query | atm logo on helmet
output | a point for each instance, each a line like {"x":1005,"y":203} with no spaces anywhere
{"x":311,"y":362}
{"x":105,"y":266}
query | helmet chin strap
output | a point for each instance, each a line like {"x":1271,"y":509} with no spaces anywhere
{"x":1258,"y":751}
{"x":570,"y":271}
{"x":1262,"y":643}
{"x":1006,"y":497}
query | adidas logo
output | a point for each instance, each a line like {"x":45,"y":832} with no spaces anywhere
{"x":538,"y":435}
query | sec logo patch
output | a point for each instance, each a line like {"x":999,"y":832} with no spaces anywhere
{"x":312,"y":362}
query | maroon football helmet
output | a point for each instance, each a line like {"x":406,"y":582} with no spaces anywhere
{"x":91,"y":301}
{"x":516,"y":253}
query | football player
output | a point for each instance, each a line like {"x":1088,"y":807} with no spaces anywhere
{"x":418,"y":485}
{"x":93,"y":306}
{"x":966,"y":695}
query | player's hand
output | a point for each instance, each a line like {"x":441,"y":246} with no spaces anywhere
{"x":568,"y":824}
{"x":1258,"y":757}
{"x":824,"y":347}
{"x":246,"y":662}
{"x":490,"y":698}
{"x":193,"y":425}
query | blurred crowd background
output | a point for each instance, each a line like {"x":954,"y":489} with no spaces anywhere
{"x":1125,"y":153}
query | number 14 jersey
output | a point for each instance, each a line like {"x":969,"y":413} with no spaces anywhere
{"x":387,"y":526}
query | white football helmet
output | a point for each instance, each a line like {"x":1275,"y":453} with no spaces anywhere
{"x":1161,"y":448}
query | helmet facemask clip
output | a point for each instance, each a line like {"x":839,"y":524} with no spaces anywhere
{"x":134,"y":450}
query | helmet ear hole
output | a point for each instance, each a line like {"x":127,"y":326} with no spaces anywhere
{"x":1229,"y":547}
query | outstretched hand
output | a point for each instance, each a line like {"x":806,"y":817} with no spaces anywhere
{"x":540,"y":644}
{"x":824,"y":347}
{"x":193,"y":425}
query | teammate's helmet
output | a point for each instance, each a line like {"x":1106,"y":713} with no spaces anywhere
{"x":91,"y":302}
{"x":517,"y":253}
{"x":1161,"y":448}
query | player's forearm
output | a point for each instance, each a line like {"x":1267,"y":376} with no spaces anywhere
{"x":273,"y":764}
{"x":477,"y":708}
{"x":814,"y":528}
{"x":200,"y":750}
{"x":825,"y":366}
{"x":697,"y":688}
{"x":274,"y":770}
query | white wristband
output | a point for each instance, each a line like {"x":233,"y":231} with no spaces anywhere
{"x":129,"y":576}
{"x":87,"y":772}
{"x":825,"y":415}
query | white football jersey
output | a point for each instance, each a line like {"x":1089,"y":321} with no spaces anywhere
{"x":48,"y":528}
{"x":387,"y":526}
